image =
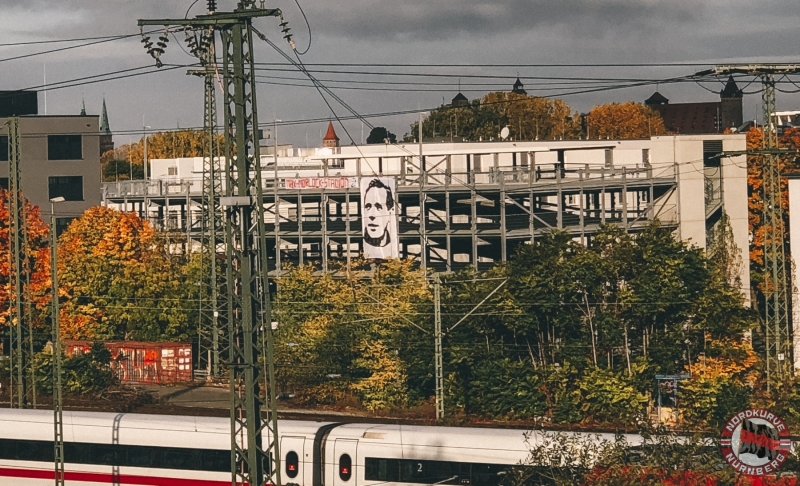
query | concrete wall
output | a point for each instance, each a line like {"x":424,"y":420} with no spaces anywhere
{"x":734,"y":200}
{"x":794,"y":249}
{"x":36,"y":168}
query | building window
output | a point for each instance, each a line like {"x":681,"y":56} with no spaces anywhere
{"x":64,"y":147}
{"x":62,"y":224}
{"x":4,"y":183}
{"x":173,"y":171}
{"x":711,"y":153}
{"x":3,"y":148}
{"x":68,"y":187}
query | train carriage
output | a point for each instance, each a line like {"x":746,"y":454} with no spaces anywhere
{"x":162,"y":450}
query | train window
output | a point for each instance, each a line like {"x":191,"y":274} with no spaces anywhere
{"x":487,"y":474}
{"x":139,"y":456}
{"x":215,"y":461}
{"x":77,"y":453}
{"x":345,"y":467}
{"x":179,"y":459}
{"x":382,"y":469}
{"x":119,"y":455}
{"x":8,"y":449}
{"x":104,"y":454}
{"x":37,"y":450}
{"x":414,"y":471}
{"x":292,"y":464}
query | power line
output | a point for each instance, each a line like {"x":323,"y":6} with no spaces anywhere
{"x":79,"y":39}
{"x":61,"y":49}
{"x":86,"y":80}
{"x":495,"y":65}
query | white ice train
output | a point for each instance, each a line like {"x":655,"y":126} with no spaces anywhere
{"x":162,"y":450}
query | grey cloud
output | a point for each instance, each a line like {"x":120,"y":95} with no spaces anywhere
{"x":440,"y":19}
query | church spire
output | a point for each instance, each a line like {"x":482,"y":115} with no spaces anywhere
{"x":105,"y":129}
{"x":330,"y":139}
{"x":106,"y":138}
{"x":83,"y":107}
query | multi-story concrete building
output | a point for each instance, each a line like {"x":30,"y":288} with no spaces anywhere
{"x":462,"y":204}
{"x":60,"y":157}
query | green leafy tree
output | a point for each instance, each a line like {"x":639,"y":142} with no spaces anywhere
{"x":355,"y":336}
{"x":381,"y":135}
{"x":83,"y":374}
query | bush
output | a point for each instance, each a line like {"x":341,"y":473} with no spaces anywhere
{"x":606,"y":396}
{"x":508,"y":389}
{"x":82,"y":374}
{"x":713,"y":400}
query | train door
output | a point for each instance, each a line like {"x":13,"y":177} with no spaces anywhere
{"x":345,"y":471}
{"x":293,"y":463}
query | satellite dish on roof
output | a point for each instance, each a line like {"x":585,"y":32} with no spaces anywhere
{"x":504,"y":133}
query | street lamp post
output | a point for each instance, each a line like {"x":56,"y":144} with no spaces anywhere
{"x":275,"y":200}
{"x":58,"y":418}
{"x":144,"y":153}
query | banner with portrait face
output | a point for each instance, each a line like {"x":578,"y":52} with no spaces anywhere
{"x":379,"y":218}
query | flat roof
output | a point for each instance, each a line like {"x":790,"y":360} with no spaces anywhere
{"x":396,"y":151}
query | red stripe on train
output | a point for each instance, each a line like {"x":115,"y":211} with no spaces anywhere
{"x":107,"y":478}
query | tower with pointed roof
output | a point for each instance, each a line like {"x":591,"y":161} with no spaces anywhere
{"x":731,"y":112}
{"x":459,"y":100}
{"x":518,"y":88}
{"x":106,"y":139}
{"x":330,"y":139}
{"x":656,"y":99}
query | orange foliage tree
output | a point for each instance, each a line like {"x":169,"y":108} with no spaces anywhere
{"x":37,"y":261}
{"x":789,"y":139}
{"x":119,"y":280}
{"x":627,"y":120}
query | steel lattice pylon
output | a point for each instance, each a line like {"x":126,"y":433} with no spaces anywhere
{"x":250,"y":306}
{"x":776,"y":311}
{"x":20,"y":330}
{"x":212,"y":305}
{"x":778,"y":331}
{"x":255,"y":456}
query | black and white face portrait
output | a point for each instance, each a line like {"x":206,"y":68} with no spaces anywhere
{"x":378,"y":206}
{"x":378,"y":218}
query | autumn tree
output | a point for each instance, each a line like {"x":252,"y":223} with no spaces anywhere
{"x":790,"y":138}
{"x":120,"y":281}
{"x":36,"y":261}
{"x":627,"y":120}
{"x":535,"y":118}
{"x":527,"y":118}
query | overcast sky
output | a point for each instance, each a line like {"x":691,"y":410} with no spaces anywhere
{"x":475,"y":32}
